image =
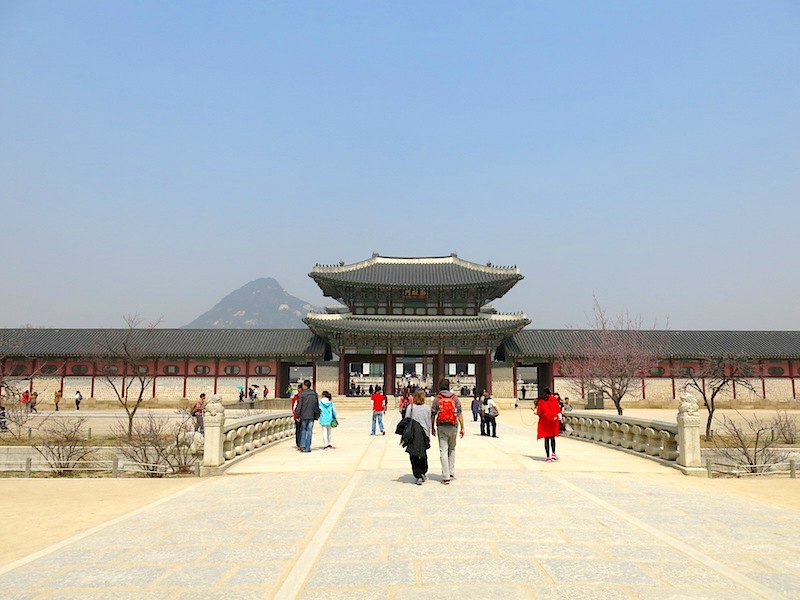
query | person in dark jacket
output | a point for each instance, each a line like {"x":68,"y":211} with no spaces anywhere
{"x":308,"y":411}
{"x":416,"y":437}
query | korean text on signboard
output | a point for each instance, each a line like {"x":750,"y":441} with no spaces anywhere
{"x":420,"y":293}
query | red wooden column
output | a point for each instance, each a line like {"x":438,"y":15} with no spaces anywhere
{"x":438,"y":370}
{"x":388,"y":374}
{"x":488,"y":367}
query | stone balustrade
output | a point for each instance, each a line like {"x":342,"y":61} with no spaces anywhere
{"x":226,"y":440}
{"x":676,"y":444}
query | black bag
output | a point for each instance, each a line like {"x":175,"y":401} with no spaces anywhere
{"x":402,"y":425}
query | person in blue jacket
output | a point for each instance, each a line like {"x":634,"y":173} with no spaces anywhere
{"x":327,"y":416}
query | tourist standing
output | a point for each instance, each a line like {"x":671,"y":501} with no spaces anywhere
{"x":198,"y":410}
{"x":481,"y":412}
{"x":3,"y":418}
{"x":549,"y":412}
{"x":378,"y":408}
{"x":327,"y":416}
{"x":26,"y":401}
{"x":417,"y":436}
{"x":308,"y":411}
{"x":446,"y":414}
{"x":490,"y":414}
{"x":567,"y":406}
{"x":295,"y":400}
{"x":34,"y":401}
{"x":57,"y":398}
{"x":78,"y":399}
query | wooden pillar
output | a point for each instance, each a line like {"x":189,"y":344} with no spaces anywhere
{"x":155,"y":375}
{"x":343,"y":371}
{"x":388,"y":374}
{"x":216,"y":374}
{"x":488,"y":366}
{"x":516,"y":391}
{"x":438,"y":370}
{"x":185,"y":375}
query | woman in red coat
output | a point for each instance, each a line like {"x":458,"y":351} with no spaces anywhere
{"x":549,"y":411}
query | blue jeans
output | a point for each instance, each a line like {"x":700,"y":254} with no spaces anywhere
{"x":377,"y":417}
{"x":306,"y":429}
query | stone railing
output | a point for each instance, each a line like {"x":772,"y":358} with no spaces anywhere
{"x":225,"y":441}
{"x":675,"y":444}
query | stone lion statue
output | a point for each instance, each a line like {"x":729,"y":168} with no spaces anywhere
{"x":214,"y":406}
{"x":688,"y":405}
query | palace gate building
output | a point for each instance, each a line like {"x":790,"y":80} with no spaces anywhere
{"x":396,"y":322}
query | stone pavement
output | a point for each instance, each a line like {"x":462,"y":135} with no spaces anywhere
{"x":350,"y":523}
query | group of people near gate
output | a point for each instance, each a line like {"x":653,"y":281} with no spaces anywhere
{"x":442,"y":418}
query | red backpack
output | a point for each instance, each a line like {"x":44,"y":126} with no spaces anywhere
{"x":447,"y":410}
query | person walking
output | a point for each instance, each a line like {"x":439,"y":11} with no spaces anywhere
{"x":476,"y":406}
{"x":417,"y":436}
{"x":3,"y":418}
{"x":308,"y":411}
{"x":549,"y":427}
{"x":26,"y":401}
{"x":490,"y":414}
{"x":198,"y":410}
{"x":446,"y":415}
{"x":405,"y":401}
{"x":78,"y":399}
{"x":57,"y":395}
{"x":295,"y":416}
{"x":34,"y":402}
{"x":378,"y":408}
{"x":327,"y":416}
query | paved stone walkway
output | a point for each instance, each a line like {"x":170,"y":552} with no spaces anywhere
{"x":350,"y":523}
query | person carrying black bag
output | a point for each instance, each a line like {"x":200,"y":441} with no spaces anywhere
{"x":416,"y":437}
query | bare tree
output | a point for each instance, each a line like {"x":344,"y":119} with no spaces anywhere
{"x":125,"y":347}
{"x":612,"y":355}
{"x":160,"y":445}
{"x":786,"y":427}
{"x":64,"y":445}
{"x":716,"y":375}
{"x":749,"y":443}
{"x":18,"y":415}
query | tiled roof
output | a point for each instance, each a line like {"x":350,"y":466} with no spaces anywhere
{"x":550,"y":343}
{"x":165,"y":342}
{"x":338,"y":323}
{"x":442,"y":271}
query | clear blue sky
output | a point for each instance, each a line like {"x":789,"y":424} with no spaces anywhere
{"x":155,"y":156}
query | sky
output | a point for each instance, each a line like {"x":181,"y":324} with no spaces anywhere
{"x":156,"y":156}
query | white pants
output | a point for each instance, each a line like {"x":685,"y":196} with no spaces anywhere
{"x":326,"y":435}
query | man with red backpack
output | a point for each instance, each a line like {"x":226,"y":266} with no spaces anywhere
{"x":447,"y":417}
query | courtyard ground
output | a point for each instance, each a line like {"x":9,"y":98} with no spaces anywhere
{"x":350,"y":523}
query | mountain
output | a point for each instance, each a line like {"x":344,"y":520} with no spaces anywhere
{"x":261,"y":304}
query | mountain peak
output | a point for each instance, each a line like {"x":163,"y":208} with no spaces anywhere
{"x":259,"y":304}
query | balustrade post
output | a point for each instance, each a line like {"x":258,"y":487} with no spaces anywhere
{"x":689,"y":454}
{"x":214,"y":421}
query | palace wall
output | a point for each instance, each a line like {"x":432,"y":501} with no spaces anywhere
{"x":657,"y":392}
{"x":651,"y":392}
